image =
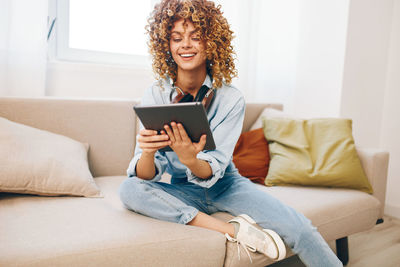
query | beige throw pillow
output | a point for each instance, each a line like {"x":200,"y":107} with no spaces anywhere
{"x":34,"y":161}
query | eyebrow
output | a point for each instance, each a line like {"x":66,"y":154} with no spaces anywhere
{"x":194,"y":31}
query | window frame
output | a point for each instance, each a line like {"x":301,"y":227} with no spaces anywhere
{"x":59,"y":43}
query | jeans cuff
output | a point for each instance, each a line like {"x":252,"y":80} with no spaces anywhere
{"x":188,"y":218}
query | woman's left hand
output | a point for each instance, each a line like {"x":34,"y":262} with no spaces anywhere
{"x":185,"y":149}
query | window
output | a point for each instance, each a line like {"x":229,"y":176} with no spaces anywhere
{"x":102,"y":31}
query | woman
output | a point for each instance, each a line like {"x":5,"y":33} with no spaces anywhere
{"x":190,"y":42}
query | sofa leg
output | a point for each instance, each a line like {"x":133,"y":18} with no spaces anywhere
{"x":342,"y":250}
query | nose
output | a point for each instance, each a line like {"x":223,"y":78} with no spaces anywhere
{"x":186,"y":43}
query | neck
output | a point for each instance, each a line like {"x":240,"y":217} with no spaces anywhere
{"x":191,"y":81}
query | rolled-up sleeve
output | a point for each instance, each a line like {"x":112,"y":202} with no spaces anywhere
{"x":160,"y":160}
{"x":226,"y":129}
{"x":160,"y":163}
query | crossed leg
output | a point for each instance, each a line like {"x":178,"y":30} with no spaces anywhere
{"x":180,"y":203}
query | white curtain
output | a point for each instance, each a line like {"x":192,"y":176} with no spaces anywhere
{"x":290,"y":52}
{"x":266,"y":46}
{"x":23,"y":47}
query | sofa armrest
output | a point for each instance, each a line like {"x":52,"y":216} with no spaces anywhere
{"x":375,"y":163}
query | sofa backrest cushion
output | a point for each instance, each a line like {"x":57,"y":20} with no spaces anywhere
{"x":108,"y":126}
{"x":253,"y":112}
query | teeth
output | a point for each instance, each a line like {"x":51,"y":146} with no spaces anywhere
{"x":187,"y":55}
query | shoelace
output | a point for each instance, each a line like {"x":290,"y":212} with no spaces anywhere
{"x":238,"y":242}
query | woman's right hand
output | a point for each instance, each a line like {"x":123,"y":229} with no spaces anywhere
{"x":149,"y":141}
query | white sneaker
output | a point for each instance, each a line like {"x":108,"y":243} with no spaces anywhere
{"x":252,"y":237}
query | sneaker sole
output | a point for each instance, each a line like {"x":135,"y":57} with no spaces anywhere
{"x":278,"y":243}
{"x":280,"y":246}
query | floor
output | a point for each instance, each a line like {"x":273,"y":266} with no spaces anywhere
{"x":379,"y":246}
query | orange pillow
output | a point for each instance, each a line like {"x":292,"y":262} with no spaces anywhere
{"x":251,"y":155}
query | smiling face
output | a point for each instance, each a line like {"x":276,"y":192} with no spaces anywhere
{"x":187,"y":48}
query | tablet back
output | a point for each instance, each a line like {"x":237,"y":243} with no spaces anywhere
{"x":191,"y":115}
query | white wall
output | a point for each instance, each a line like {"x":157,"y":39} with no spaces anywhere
{"x":390,"y":129}
{"x":95,"y":80}
{"x":320,"y":57}
{"x":371,"y":84}
{"x":365,"y":68}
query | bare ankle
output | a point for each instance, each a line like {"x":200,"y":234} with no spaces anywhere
{"x":209,"y":222}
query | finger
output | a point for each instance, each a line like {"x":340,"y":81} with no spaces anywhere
{"x":200,"y":145}
{"x":175,"y":130}
{"x":156,"y":145}
{"x":152,"y":138}
{"x":147,"y":132}
{"x":182,"y":133}
{"x":169,"y":133}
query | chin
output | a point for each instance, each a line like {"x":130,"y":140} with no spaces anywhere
{"x":191,"y":67}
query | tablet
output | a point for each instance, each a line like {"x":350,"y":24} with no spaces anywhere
{"x":191,"y":115}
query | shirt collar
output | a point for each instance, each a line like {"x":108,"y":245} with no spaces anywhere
{"x":208,"y":81}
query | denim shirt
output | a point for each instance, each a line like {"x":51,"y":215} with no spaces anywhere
{"x":225,"y":117}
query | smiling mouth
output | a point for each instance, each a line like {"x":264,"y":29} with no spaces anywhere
{"x":187,"y":55}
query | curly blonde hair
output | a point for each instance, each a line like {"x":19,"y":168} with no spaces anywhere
{"x":213,"y":28}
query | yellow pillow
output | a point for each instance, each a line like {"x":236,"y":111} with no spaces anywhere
{"x":314,"y":152}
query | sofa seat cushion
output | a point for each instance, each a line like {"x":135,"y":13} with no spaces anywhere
{"x":336,"y":212}
{"x":72,"y":231}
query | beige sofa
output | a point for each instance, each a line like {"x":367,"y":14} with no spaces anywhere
{"x":78,"y":231}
